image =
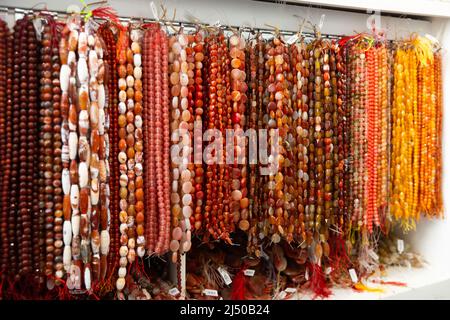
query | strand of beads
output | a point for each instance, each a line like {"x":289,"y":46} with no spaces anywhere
{"x":211,"y":168}
{"x":371,"y":136}
{"x":111,"y":103}
{"x":329,"y":146}
{"x":319,"y":130}
{"x":138,"y":142}
{"x":428,"y":143}
{"x":198,"y":96}
{"x":383,"y":153}
{"x":66,"y":175}
{"x":148,"y":138}
{"x":225,"y":206}
{"x":260,"y":206}
{"x":96,"y":126}
{"x":85,"y":194}
{"x":289,"y":163}
{"x":437,"y":198}
{"x":163,"y":143}
{"x":14,"y":218}
{"x":6,"y":56}
{"x":122,"y":47}
{"x":311,"y":204}
{"x":50,"y":176}
{"x":252,"y":118}
{"x":181,"y":140}
{"x":302,"y":67}
{"x":239,"y":200}
{"x":333,"y":166}
{"x":28,"y":148}
{"x":341,"y":133}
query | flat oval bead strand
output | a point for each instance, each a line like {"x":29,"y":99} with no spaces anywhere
{"x":181,"y":175}
{"x":122,"y":158}
{"x":239,"y":200}
{"x":66,"y":80}
{"x":136,"y":38}
{"x":84,"y":195}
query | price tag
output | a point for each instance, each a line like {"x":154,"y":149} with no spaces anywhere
{"x":400,"y":246}
{"x":328,"y":270}
{"x":174,"y":291}
{"x":292,"y":39}
{"x":290,"y":290}
{"x":210,"y":293}
{"x":225,"y":275}
{"x":373,"y":255}
{"x":306,"y":275}
{"x":249,"y":272}
{"x":322,"y":19}
{"x":154,"y":11}
{"x":353,"y":275}
{"x":282,"y":295}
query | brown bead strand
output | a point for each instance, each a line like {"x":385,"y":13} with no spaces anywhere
{"x":14,"y":218}
{"x":112,"y":100}
{"x":5,"y":135}
{"x":28,"y":121}
{"x":46,"y":132}
{"x":57,"y":161}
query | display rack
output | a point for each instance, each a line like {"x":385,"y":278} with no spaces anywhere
{"x":432,"y":237}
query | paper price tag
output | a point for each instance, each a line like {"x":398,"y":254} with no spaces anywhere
{"x":225,"y":275}
{"x":373,"y":255}
{"x":353,"y":275}
{"x":249,"y":272}
{"x":282,"y":295}
{"x":400,"y":246}
{"x":210,"y":293}
{"x":290,"y":290}
{"x":306,"y":275}
{"x":154,"y":11}
{"x":328,"y":270}
{"x":292,"y":39}
{"x":174,"y":291}
{"x":322,"y":19}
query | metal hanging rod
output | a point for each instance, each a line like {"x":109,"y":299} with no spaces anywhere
{"x":178,"y":23}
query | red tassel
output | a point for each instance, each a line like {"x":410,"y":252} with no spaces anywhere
{"x":238,"y":289}
{"x":318,"y":283}
{"x":339,"y":260}
{"x":107,"y":13}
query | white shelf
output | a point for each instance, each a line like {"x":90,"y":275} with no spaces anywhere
{"x":430,"y":8}
{"x":422,"y":283}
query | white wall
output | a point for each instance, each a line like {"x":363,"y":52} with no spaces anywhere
{"x":238,"y":12}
